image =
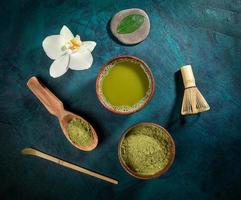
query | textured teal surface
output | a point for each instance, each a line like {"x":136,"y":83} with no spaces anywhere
{"x":205,"y":33}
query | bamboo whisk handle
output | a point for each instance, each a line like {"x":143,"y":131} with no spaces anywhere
{"x":187,"y":76}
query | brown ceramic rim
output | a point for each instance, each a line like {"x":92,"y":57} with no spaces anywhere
{"x":158,"y":174}
{"x":148,"y":71}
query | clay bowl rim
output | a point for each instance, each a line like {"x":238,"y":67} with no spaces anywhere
{"x":161,"y":172}
{"x":148,"y":71}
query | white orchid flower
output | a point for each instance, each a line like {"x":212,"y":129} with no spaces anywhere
{"x":67,"y":52}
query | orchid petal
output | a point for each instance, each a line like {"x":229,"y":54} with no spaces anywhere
{"x":59,"y":66}
{"x":53,"y":45}
{"x":66,"y":33}
{"x":81,"y":60}
{"x":90,"y":45}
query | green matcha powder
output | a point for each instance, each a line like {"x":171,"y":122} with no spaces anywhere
{"x":146,"y":150}
{"x":79,"y":132}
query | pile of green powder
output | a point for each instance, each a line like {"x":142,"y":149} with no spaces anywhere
{"x":146,"y":150}
{"x":79,"y":132}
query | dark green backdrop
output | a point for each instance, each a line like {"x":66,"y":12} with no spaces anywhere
{"x":204,"y":33}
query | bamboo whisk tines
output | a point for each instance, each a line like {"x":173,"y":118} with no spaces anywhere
{"x":193,"y":101}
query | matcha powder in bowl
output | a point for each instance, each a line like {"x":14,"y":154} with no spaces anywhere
{"x":79,"y":132}
{"x":146,"y":150}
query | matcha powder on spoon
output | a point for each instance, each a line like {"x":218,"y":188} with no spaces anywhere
{"x":79,"y":132}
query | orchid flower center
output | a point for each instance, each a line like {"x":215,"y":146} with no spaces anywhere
{"x":75,"y":43}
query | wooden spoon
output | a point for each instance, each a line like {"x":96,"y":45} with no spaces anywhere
{"x":56,"y":108}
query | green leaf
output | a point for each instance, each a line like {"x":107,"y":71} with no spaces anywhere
{"x":130,"y":23}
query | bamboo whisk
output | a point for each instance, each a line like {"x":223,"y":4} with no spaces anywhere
{"x":193,"y":102}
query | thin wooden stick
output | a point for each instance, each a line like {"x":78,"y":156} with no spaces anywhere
{"x":34,"y":152}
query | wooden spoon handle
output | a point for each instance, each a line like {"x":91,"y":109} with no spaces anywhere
{"x":34,"y":152}
{"x":47,"y":98}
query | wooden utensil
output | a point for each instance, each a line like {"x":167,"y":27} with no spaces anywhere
{"x":193,"y":101}
{"x":34,"y":152}
{"x":56,"y":108}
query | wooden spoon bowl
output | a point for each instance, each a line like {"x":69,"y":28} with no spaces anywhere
{"x":64,"y":122}
{"x":56,"y":108}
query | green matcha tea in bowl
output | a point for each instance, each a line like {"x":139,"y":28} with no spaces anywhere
{"x":146,"y":150}
{"x":125,"y":85}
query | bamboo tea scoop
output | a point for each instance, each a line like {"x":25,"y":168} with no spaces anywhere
{"x":193,"y":101}
{"x":34,"y":152}
{"x":56,"y":108}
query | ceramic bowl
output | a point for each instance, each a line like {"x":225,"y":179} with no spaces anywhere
{"x":147,"y":71}
{"x":161,"y":172}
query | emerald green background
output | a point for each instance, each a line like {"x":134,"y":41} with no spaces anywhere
{"x":204,"y":33}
